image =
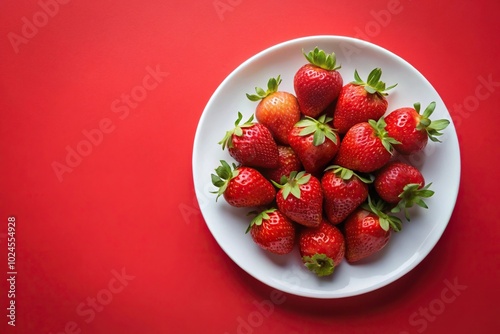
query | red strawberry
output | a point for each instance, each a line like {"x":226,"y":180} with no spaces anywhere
{"x":277,"y":110}
{"x":315,"y":142}
{"x":343,"y":192}
{"x":288,"y":162}
{"x":360,"y":101}
{"x":366,"y":147}
{"x":322,"y":248}
{"x":318,"y":83}
{"x":273,"y":231}
{"x":301,"y":199}
{"x":251,"y":144}
{"x":242,"y":186}
{"x":367,"y":231}
{"x":413,"y":129}
{"x":402,"y":184}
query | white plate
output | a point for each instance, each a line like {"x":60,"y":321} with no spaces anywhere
{"x":439,"y":163}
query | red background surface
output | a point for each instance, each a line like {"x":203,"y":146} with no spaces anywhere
{"x":128,"y":207}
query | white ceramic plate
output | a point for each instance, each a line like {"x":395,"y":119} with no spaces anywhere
{"x":439,"y":163}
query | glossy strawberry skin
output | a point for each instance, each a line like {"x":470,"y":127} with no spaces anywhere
{"x":256,"y":147}
{"x":316,"y":88}
{"x":249,"y":189}
{"x":276,"y":234}
{"x":342,"y":197}
{"x":356,"y":105}
{"x":306,"y":210}
{"x":402,"y":126}
{"x":278,"y":112}
{"x":363,"y":235}
{"x":392,"y":178}
{"x":361,"y":150}
{"x":322,"y":239}
{"x":288,"y":162}
{"x":313,"y":158}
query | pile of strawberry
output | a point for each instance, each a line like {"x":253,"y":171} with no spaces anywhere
{"x":319,"y":169}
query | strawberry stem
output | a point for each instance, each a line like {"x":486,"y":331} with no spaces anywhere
{"x":320,"y":264}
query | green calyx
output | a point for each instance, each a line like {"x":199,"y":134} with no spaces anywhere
{"x":433,"y":128}
{"x":259,"y":218}
{"x":319,"y":128}
{"x":373,"y":85}
{"x":412,"y":194}
{"x":322,"y":59}
{"x":346,"y":173}
{"x":292,"y":183}
{"x":320,"y":264}
{"x":386,"y":221}
{"x":272,"y":87}
{"x":381,"y":133}
{"x":227,"y":141}
{"x":223,"y":174}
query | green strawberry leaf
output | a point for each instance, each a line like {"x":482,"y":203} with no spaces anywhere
{"x":386,"y":221}
{"x":272,"y":87}
{"x":429,"y":110}
{"x":318,"y":138}
{"x":227,"y":141}
{"x":412,"y":195}
{"x":302,"y":177}
{"x":293,"y":182}
{"x":295,"y":192}
{"x":321,"y":59}
{"x":223,"y":174}
{"x":416,"y":106}
{"x":320,"y":264}
{"x":424,"y":117}
{"x":308,"y":130}
{"x":439,"y":124}
{"x":259,"y":218}
{"x":217,"y":181}
{"x":347,"y":174}
{"x":319,"y":128}
{"x":382,"y":134}
{"x":433,"y":128}
{"x":373,"y":85}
